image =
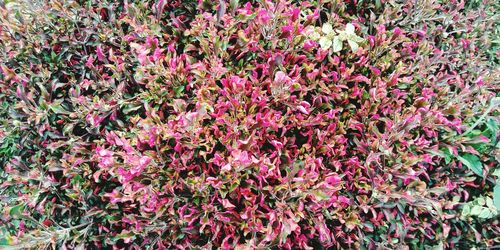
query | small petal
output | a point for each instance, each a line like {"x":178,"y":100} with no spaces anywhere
{"x":226,"y":168}
{"x":315,"y":35}
{"x":327,"y":28}
{"x":227,"y":204}
{"x":305,"y":104}
{"x":349,"y":28}
{"x":303,"y":110}
{"x":310,"y":44}
{"x":325,"y":43}
{"x":337,"y":44}
{"x":353,"y":44}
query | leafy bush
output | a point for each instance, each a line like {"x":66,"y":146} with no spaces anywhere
{"x":249,"y":124}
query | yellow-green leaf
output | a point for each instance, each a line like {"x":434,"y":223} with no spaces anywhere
{"x":325,"y":43}
{"x":327,"y":28}
{"x":354,"y":46}
{"x":337,"y":44}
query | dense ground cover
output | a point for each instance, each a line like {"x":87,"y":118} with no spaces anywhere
{"x":249,"y":124}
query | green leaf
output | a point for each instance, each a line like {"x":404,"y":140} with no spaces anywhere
{"x":223,"y":193}
{"x":321,"y":195}
{"x":485,"y":213}
{"x":495,"y":101}
{"x":476,"y":210}
{"x":492,"y":124}
{"x":474,"y":133}
{"x":466,"y":210}
{"x":447,"y":159}
{"x":178,"y":90}
{"x":496,"y":173}
{"x":127,"y":235}
{"x":233,"y":4}
{"x":472,"y":162}
{"x":493,"y":127}
{"x":356,"y":38}
{"x":496,"y":196}
{"x":481,"y":201}
{"x":7,"y":241}
{"x":439,"y":246}
{"x":130,"y":108}
{"x":181,"y":236}
{"x":58,"y":109}
{"x":16,"y":210}
{"x":489,"y":202}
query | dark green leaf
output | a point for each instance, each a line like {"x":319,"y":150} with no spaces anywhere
{"x":472,"y":162}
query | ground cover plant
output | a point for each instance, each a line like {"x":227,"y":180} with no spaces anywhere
{"x":249,"y":124}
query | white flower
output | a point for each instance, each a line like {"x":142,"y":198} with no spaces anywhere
{"x":327,"y":28}
{"x":350,"y":36}
{"x":328,"y":34}
{"x":329,"y":39}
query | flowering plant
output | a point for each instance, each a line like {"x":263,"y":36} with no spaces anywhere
{"x":249,"y":124}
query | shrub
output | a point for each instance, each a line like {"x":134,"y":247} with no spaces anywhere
{"x":252,"y":124}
